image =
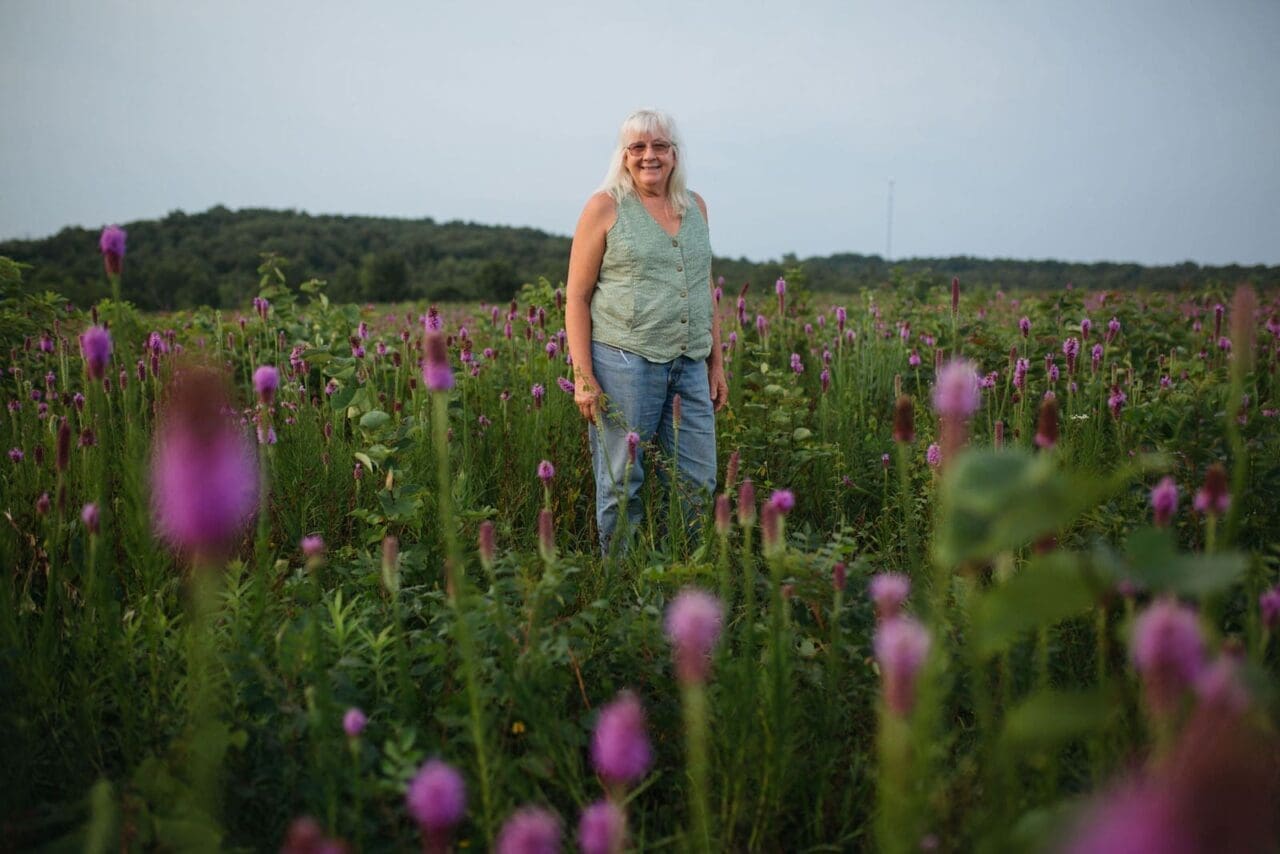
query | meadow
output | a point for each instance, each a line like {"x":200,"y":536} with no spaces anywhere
{"x":985,"y":571}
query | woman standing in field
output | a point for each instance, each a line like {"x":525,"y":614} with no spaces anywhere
{"x":643,"y":335}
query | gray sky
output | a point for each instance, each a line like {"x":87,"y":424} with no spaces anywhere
{"x":1082,"y":130}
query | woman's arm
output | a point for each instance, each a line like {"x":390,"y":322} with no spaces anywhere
{"x":715,"y":362}
{"x":584,"y":270}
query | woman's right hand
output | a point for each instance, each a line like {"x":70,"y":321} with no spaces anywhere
{"x":586,"y":396}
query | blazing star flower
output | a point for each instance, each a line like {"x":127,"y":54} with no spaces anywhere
{"x":546,"y":534}
{"x":1269,"y":605}
{"x":620,"y":750}
{"x":436,"y":797}
{"x":1134,"y":818}
{"x":531,"y":830}
{"x":797,"y":366}
{"x":266,"y":379}
{"x":111,"y":244}
{"x":354,"y":722}
{"x":1047,"y":427}
{"x":1116,"y":401}
{"x":933,"y":455}
{"x":956,"y":393}
{"x":1168,"y":652}
{"x":888,"y":591}
{"x":693,"y":626}
{"x":602,"y":829}
{"x":1024,"y":326}
{"x":16,"y":455}
{"x":824,"y":379}
{"x":1214,"y":496}
{"x":783,"y":500}
{"x":746,"y":503}
{"x":565,"y":385}
{"x":89,"y":516}
{"x":1113,"y":328}
{"x":1020,"y":369}
{"x":914,"y":359}
{"x":1164,"y":501}
{"x":312,"y":546}
{"x":901,"y":647}
{"x":95,"y":345}
{"x":204,"y":473}
{"x":1085,"y":325}
{"x":546,"y":471}
{"x":436,"y":373}
{"x":904,"y":428}
{"x":537,"y":392}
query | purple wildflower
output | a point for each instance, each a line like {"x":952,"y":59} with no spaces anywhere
{"x":266,"y":379}
{"x":436,"y":373}
{"x":888,"y":591}
{"x":1168,"y":651}
{"x":89,"y":515}
{"x":693,"y":627}
{"x":1116,"y":401}
{"x":312,"y":546}
{"x":546,"y":471}
{"x":1164,"y":501}
{"x":95,"y":345}
{"x":956,"y":393}
{"x":602,"y":829}
{"x":537,"y":392}
{"x":797,"y":366}
{"x":784,"y":500}
{"x":1024,"y":326}
{"x":436,"y":797}
{"x":565,"y":385}
{"x":933,"y":455}
{"x":530,"y":830}
{"x":1214,"y":496}
{"x":620,"y":749}
{"x":901,"y":646}
{"x":111,"y":245}
{"x":354,"y":722}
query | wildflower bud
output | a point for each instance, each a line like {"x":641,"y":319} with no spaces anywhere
{"x":436,"y":800}
{"x":747,"y":503}
{"x":487,"y":548}
{"x":1047,"y":426}
{"x":436,"y":373}
{"x":111,"y":244}
{"x":89,"y":515}
{"x":888,"y":591}
{"x":43,"y":504}
{"x":266,"y":379}
{"x":839,"y":576}
{"x":676,"y":404}
{"x":904,"y":421}
{"x":354,"y":722}
{"x":693,"y":625}
{"x":633,"y":442}
{"x":1164,"y":501}
{"x":955,"y":294}
{"x":884,"y":461}
{"x":901,"y":645}
{"x":546,"y":471}
{"x":62,"y":459}
{"x":95,"y":346}
{"x":1214,"y":497}
{"x":530,"y":829}
{"x":722,"y":515}
{"x":731,"y":472}
{"x":1168,"y":652}
{"x":1243,"y":307}
{"x":391,"y":565}
{"x":999,"y":436}
{"x":546,"y":534}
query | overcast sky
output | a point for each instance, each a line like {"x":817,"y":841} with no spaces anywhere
{"x":1082,"y":130}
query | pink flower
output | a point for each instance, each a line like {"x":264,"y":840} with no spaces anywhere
{"x":312,"y":546}
{"x":546,"y":471}
{"x":1214,"y":496}
{"x":901,"y":646}
{"x":1164,"y":501}
{"x":888,"y":591}
{"x":1024,"y":326}
{"x":266,"y":379}
{"x":436,"y":373}
{"x":602,"y":829}
{"x":620,"y":749}
{"x":1168,"y":652}
{"x":111,"y":245}
{"x":354,"y":722}
{"x":784,"y":500}
{"x":956,"y":393}
{"x":95,"y":346}
{"x":1137,"y":818}
{"x":933,"y":455}
{"x":530,"y":830}
{"x":436,"y":797}
{"x":89,"y":515}
{"x":693,"y":626}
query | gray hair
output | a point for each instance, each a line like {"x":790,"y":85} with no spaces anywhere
{"x":617,"y":181}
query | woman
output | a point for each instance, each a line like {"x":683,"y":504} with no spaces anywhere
{"x":642,"y":330}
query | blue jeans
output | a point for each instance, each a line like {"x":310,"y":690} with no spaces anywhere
{"x":638,"y":398}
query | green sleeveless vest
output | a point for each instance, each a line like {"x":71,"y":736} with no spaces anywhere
{"x":653,"y":297}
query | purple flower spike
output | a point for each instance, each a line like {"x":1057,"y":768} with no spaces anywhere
{"x":1135,"y":819}
{"x":602,"y":829}
{"x":531,"y":830}
{"x":620,"y":748}
{"x":783,"y":500}
{"x":693,"y":627}
{"x":901,"y":646}
{"x":436,"y":373}
{"x":1168,"y":651}
{"x":1164,"y":501}
{"x":266,"y":379}
{"x":888,"y":591}
{"x":436,"y":797}
{"x":111,"y":245}
{"x":312,"y":547}
{"x":546,"y":471}
{"x":1214,"y":496}
{"x":354,"y":722}
{"x":956,"y":393}
{"x":95,"y":345}
{"x":89,"y":515}
{"x":204,"y":476}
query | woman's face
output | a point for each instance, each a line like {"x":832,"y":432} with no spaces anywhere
{"x":650,"y":159}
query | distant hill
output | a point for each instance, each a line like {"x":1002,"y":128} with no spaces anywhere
{"x":211,"y":258}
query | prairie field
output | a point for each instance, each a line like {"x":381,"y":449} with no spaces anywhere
{"x":985,"y":571}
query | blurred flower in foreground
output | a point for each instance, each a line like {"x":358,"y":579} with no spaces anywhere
{"x":436,"y":373}
{"x":1168,"y":651}
{"x":889,"y":591}
{"x":436,"y":800}
{"x":1214,"y":496}
{"x":602,"y":829}
{"x":693,"y":627}
{"x":354,"y":722}
{"x":111,"y":244}
{"x":204,"y":473}
{"x":1164,"y":501}
{"x":95,"y":345}
{"x":531,"y":830}
{"x":266,"y":379}
{"x":901,"y":646}
{"x":620,"y":748}
{"x":306,"y":836}
{"x":956,"y":393}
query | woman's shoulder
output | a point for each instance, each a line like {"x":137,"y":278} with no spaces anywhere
{"x":599,"y":214}
{"x":701,"y":203}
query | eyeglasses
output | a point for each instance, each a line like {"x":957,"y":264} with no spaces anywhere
{"x":660,"y":147}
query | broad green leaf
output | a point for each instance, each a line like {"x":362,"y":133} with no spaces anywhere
{"x":1048,"y":718}
{"x":1049,"y":589}
{"x":342,"y":398}
{"x":994,"y":501}
{"x":373,"y":419}
{"x":1157,"y":566}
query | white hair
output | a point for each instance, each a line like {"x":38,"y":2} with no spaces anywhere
{"x":617,"y":181}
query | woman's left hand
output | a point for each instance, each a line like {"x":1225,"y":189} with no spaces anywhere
{"x":719,"y":387}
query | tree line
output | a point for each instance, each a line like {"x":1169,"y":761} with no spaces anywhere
{"x":211,"y":258}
